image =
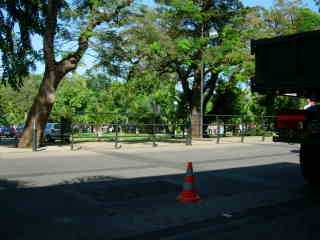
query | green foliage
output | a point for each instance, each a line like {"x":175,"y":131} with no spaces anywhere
{"x":286,"y":102}
{"x":17,"y":54}
{"x":152,"y":98}
{"x":184,"y":45}
{"x":307,"y":20}
{"x":72,"y":97}
{"x":82,"y":99}
{"x":14,"y":105}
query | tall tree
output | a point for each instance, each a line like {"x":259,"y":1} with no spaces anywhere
{"x":54,"y":21}
{"x":195,"y":28}
{"x":176,"y":39}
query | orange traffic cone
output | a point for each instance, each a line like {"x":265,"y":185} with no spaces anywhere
{"x":188,"y":194}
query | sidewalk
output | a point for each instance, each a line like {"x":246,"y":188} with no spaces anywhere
{"x":125,"y":145}
{"x":147,"y":146}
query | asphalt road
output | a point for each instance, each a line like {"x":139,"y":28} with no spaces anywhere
{"x":55,"y":165}
{"x":248,"y":191}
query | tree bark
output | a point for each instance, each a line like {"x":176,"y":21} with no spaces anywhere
{"x":42,"y":104}
{"x":195,"y":122}
{"x":195,"y":104}
{"x":41,"y":108}
{"x":209,"y":88}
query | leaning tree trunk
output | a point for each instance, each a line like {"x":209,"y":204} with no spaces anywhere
{"x":41,"y":108}
{"x":42,"y":104}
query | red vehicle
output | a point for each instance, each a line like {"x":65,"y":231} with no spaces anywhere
{"x":289,"y":65}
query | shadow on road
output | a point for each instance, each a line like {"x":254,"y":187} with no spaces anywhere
{"x":103,"y":207}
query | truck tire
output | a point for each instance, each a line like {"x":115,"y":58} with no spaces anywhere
{"x":309,"y":163}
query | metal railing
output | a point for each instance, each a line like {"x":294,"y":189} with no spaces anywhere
{"x":214,"y":127}
{"x":124,"y":132}
{"x":121,"y":129}
{"x":219,"y":126}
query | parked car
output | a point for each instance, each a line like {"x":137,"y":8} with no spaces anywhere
{"x":54,"y":132}
{"x":9,"y":131}
{"x":19,"y":131}
{"x":2,"y":131}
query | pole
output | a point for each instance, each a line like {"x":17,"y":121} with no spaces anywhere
{"x":242,"y":130}
{"x":201,"y":90}
{"x":116,"y":139}
{"x":201,"y":103}
{"x":71,"y":143}
{"x":262,"y":127}
{"x":218,"y":129}
{"x":155,"y":113}
{"x":154,"y":144}
{"x":189,"y":133}
{"x":186,"y":135}
{"x":34,"y":135}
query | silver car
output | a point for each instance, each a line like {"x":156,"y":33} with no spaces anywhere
{"x":52,"y":132}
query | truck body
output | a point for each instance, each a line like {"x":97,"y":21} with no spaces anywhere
{"x":289,"y":65}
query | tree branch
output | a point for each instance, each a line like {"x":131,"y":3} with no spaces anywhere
{"x":183,"y":78}
{"x":49,"y":33}
{"x":70,"y":62}
{"x":211,"y":85}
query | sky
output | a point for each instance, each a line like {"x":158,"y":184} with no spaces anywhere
{"x":264,"y":3}
{"x":87,"y":61}
{"x":268,"y":3}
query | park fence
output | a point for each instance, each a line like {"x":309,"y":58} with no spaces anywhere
{"x":215,"y":127}
{"x":224,"y":126}
{"x":117,"y":129}
{"x":118,"y":132}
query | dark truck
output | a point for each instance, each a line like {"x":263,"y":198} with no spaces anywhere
{"x":290,"y":65}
